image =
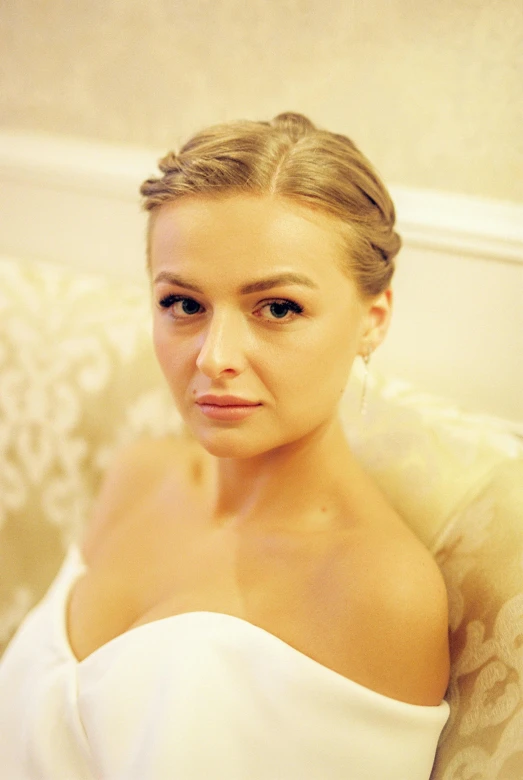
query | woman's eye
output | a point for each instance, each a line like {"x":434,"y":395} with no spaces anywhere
{"x":280,"y":310}
{"x":181,"y":306}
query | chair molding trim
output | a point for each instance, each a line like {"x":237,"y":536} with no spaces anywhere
{"x":444,"y":221}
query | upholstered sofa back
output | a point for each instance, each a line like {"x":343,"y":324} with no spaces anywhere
{"x":78,"y":380}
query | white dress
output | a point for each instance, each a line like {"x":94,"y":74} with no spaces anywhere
{"x":196,"y":696}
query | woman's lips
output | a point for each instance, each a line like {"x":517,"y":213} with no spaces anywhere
{"x":226,"y":407}
{"x":233,"y":412}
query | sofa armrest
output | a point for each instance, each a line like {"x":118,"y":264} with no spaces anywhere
{"x":481,"y":556}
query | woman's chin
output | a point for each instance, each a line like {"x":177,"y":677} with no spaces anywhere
{"x":227,"y":449}
{"x":230,"y":443}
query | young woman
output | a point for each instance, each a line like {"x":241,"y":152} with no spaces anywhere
{"x":245,"y":605}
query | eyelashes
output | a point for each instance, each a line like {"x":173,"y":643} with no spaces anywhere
{"x":189,"y":305}
{"x":279,"y":309}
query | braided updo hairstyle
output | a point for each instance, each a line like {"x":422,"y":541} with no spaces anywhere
{"x":290,"y":158}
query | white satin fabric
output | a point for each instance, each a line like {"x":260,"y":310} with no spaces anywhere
{"x":192,"y":697}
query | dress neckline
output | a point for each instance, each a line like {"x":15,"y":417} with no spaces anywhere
{"x":75,"y":567}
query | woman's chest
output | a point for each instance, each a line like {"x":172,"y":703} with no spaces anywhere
{"x":278,"y":581}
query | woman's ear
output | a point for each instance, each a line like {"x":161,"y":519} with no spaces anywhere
{"x":377,"y":321}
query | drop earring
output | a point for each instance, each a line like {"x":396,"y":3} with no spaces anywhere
{"x":365,"y":382}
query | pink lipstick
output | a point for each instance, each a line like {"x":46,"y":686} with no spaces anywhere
{"x":226,"y":407}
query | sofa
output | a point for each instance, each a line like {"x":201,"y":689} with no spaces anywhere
{"x":78,"y":380}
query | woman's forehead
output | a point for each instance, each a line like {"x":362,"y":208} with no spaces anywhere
{"x":254,"y":231}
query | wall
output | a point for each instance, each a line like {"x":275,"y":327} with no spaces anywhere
{"x":432,"y":91}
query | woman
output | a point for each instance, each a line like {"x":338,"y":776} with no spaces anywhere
{"x":246,"y":604}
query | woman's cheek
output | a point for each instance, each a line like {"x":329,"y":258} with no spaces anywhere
{"x":169,"y":354}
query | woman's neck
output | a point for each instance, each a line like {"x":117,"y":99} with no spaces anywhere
{"x":296,"y":486}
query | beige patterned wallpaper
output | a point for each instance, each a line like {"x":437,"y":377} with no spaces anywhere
{"x":432,"y":91}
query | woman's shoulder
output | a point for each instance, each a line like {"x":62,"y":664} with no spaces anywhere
{"x":398,"y":598}
{"x":137,"y":471}
{"x":415,"y":607}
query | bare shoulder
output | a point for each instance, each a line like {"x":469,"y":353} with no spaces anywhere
{"x":136,"y":472}
{"x":414,"y":597}
{"x":401,"y":607}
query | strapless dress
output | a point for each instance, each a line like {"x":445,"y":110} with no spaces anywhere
{"x":195,"y":696}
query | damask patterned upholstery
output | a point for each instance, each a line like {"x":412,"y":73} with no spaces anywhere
{"x":78,"y":380}
{"x":481,"y":555}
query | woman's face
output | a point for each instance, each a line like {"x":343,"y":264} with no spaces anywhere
{"x":250,"y":302}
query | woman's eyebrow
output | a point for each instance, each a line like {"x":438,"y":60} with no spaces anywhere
{"x":179,"y":281}
{"x":277,"y":281}
{"x":252,"y":287}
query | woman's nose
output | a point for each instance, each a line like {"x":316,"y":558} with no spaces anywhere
{"x":223,"y":347}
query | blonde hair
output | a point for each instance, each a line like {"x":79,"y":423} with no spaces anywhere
{"x":291,"y":158}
